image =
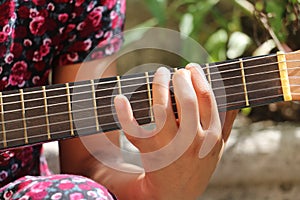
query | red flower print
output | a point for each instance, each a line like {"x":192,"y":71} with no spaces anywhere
{"x":56,"y":196}
{"x":3,"y":175}
{"x":95,"y":16}
{"x":47,"y":41}
{"x":29,"y":54}
{"x":23,"y":12}
{"x":43,"y":13}
{"x":77,"y":11}
{"x":39,"y":2}
{"x":33,"y":13}
{"x":44,"y":50}
{"x":50,"y":7}
{"x":3,"y":84}
{"x":16,"y":49}
{"x":37,"y":26}
{"x":6,"y":9}
{"x":3,"y":37}
{"x":37,"y":56}
{"x":92,"y":194}
{"x":8,"y":194}
{"x":116,"y":20}
{"x":37,"y":195}
{"x":50,"y":24}
{"x":40,"y":186}
{"x":61,"y":1}
{"x":97,"y":55}
{"x":18,"y":73}
{"x":14,"y":167}
{"x":76,"y":196}
{"x":9,"y":58}
{"x":20,"y":32}
{"x":73,"y":57}
{"x":78,"y":2}
{"x":7,"y":29}
{"x":63,"y":17}
{"x":39,"y":66}
{"x":107,"y":36}
{"x":80,"y":26}
{"x":90,"y":6}
{"x":109,"y":3}
{"x":27,"y":42}
{"x":123,"y":7}
{"x":80,"y":46}
{"x":66,"y":185}
{"x":2,"y":50}
{"x":84,"y":187}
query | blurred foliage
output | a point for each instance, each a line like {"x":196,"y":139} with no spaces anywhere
{"x":232,"y":28}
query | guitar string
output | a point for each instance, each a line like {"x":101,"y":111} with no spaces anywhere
{"x":141,"y":91}
{"x":101,"y":107}
{"x":126,"y":86}
{"x":82,"y":128}
{"x":136,"y":110}
{"x":133,"y":85}
{"x":135,"y":92}
{"x":140,"y":119}
{"x":136,"y":78}
{"x":63,"y":103}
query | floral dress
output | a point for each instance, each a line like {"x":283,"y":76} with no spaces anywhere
{"x":35,"y":35}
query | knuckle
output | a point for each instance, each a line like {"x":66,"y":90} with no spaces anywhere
{"x":204,"y":93}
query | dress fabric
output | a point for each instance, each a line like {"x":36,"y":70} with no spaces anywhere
{"x":36,"y":35}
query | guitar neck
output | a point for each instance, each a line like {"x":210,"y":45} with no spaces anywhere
{"x":47,"y":113}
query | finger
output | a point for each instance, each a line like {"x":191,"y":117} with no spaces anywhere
{"x":206,"y":102}
{"x":187,"y":100}
{"x":227,"y":122}
{"x":209,"y":115}
{"x":162,"y":105}
{"x":125,"y":116}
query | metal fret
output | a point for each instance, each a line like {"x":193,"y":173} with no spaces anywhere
{"x":244,"y":82}
{"x":46,"y":113}
{"x":23,"y":116}
{"x":2,"y":122}
{"x":208,"y":73}
{"x":95,"y":104}
{"x":119,"y":84}
{"x":70,"y":109}
{"x":149,"y":96}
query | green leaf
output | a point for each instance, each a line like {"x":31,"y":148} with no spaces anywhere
{"x":186,"y":24}
{"x":276,"y":10}
{"x":238,"y":42}
{"x":157,"y":9}
{"x":216,"y":45}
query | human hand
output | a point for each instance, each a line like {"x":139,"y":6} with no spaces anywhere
{"x":180,"y":155}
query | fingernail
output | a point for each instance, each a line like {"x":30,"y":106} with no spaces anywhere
{"x":162,"y":70}
{"x":119,"y":101}
{"x":190,"y":65}
{"x":162,"y":76}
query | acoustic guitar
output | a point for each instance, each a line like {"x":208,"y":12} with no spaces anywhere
{"x":54,"y":112}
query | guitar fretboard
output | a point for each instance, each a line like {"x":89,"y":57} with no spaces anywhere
{"x":54,"y":112}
